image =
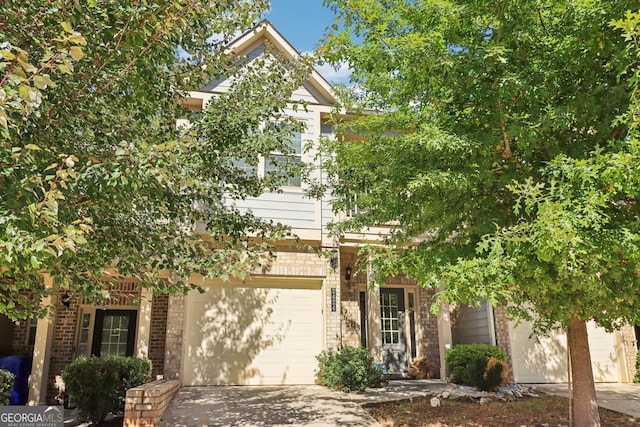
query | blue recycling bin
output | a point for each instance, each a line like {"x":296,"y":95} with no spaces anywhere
{"x":20,"y":366}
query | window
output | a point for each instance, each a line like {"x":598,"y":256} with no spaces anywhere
{"x":363,"y":319}
{"x":242,"y":165}
{"x":389,"y":318}
{"x":106,"y":332}
{"x":277,"y":161}
{"x":295,"y":157}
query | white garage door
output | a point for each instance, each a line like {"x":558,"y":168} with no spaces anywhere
{"x":241,"y":335}
{"x":546,"y":361}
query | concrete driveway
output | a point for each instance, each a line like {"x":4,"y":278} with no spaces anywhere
{"x":624,"y":398}
{"x":309,"y":405}
{"x":263,"y":406}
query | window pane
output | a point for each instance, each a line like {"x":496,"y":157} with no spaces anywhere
{"x":249,"y":169}
{"x":271,"y":166}
{"x":115,"y":331}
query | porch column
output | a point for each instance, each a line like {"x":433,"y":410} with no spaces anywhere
{"x":144,"y":324}
{"x":444,"y":336}
{"x":42,"y":351}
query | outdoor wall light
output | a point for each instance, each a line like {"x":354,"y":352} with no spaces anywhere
{"x":333,"y":262}
{"x":347,"y":274}
{"x":65,"y":300}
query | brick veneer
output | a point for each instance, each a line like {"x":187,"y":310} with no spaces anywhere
{"x":173,"y":340}
{"x":19,"y":346}
{"x":429,"y":341}
{"x":630,"y":345}
{"x":63,"y":349}
{"x":501,"y":326}
{"x":146,"y":404}
{"x":158,"y":336}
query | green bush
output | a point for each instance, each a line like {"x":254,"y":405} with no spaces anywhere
{"x":460,"y":358}
{"x":351,"y":368}
{"x":636,"y":379}
{"x":488,"y":373}
{"x":6,"y":386}
{"x":98,"y":385}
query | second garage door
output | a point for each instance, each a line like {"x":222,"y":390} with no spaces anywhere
{"x":545,"y":361}
{"x":264,"y":334}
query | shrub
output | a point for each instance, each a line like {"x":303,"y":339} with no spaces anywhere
{"x":6,"y":386}
{"x":351,"y":368}
{"x":97,"y":386}
{"x":637,"y":377}
{"x":460,"y":357}
{"x":488,"y":373}
{"x":423,"y":368}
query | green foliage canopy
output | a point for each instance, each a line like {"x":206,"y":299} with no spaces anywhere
{"x":507,"y":116}
{"x":96,"y":181}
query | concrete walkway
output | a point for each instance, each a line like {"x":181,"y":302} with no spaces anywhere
{"x":310,"y":405}
{"x":624,"y":398}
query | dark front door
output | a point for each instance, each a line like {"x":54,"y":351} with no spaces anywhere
{"x":392,"y":319}
{"x":114,"y":333}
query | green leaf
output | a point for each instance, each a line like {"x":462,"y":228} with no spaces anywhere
{"x":7,"y":54}
{"x":34,"y":262}
{"x":76,"y":52}
{"x":67,"y":27}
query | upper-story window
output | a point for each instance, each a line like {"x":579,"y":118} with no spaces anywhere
{"x":249,"y":169}
{"x":286,"y":162}
{"x":294,"y":156}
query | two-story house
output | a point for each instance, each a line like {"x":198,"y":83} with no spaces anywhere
{"x":268,"y":329}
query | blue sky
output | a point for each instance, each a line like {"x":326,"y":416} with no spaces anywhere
{"x":303,"y":23}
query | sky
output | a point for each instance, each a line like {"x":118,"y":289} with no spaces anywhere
{"x":303,"y":23}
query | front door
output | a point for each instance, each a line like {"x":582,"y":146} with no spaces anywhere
{"x":114,"y":333}
{"x":392,"y":319}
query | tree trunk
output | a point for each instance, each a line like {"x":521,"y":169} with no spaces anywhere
{"x":585,"y":406}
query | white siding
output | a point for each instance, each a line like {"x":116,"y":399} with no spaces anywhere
{"x":288,"y":208}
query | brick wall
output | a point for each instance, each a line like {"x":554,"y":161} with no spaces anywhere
{"x":629,"y":344}
{"x":157,"y":337}
{"x":501,"y":325}
{"x":145,"y":405}
{"x":19,"y":346}
{"x":429,"y":341}
{"x":62,"y":348}
{"x":350,"y":300}
{"x":173,"y":340}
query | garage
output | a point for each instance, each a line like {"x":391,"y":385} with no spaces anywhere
{"x":546,"y":361}
{"x":261,"y":333}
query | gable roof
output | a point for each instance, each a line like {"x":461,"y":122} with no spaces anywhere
{"x":266,"y":31}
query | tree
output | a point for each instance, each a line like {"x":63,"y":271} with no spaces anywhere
{"x":97,"y":183}
{"x":505,"y":124}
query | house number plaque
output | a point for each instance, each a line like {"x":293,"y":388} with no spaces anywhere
{"x":333,"y":299}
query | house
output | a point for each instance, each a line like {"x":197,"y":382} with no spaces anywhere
{"x":269,"y":329}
